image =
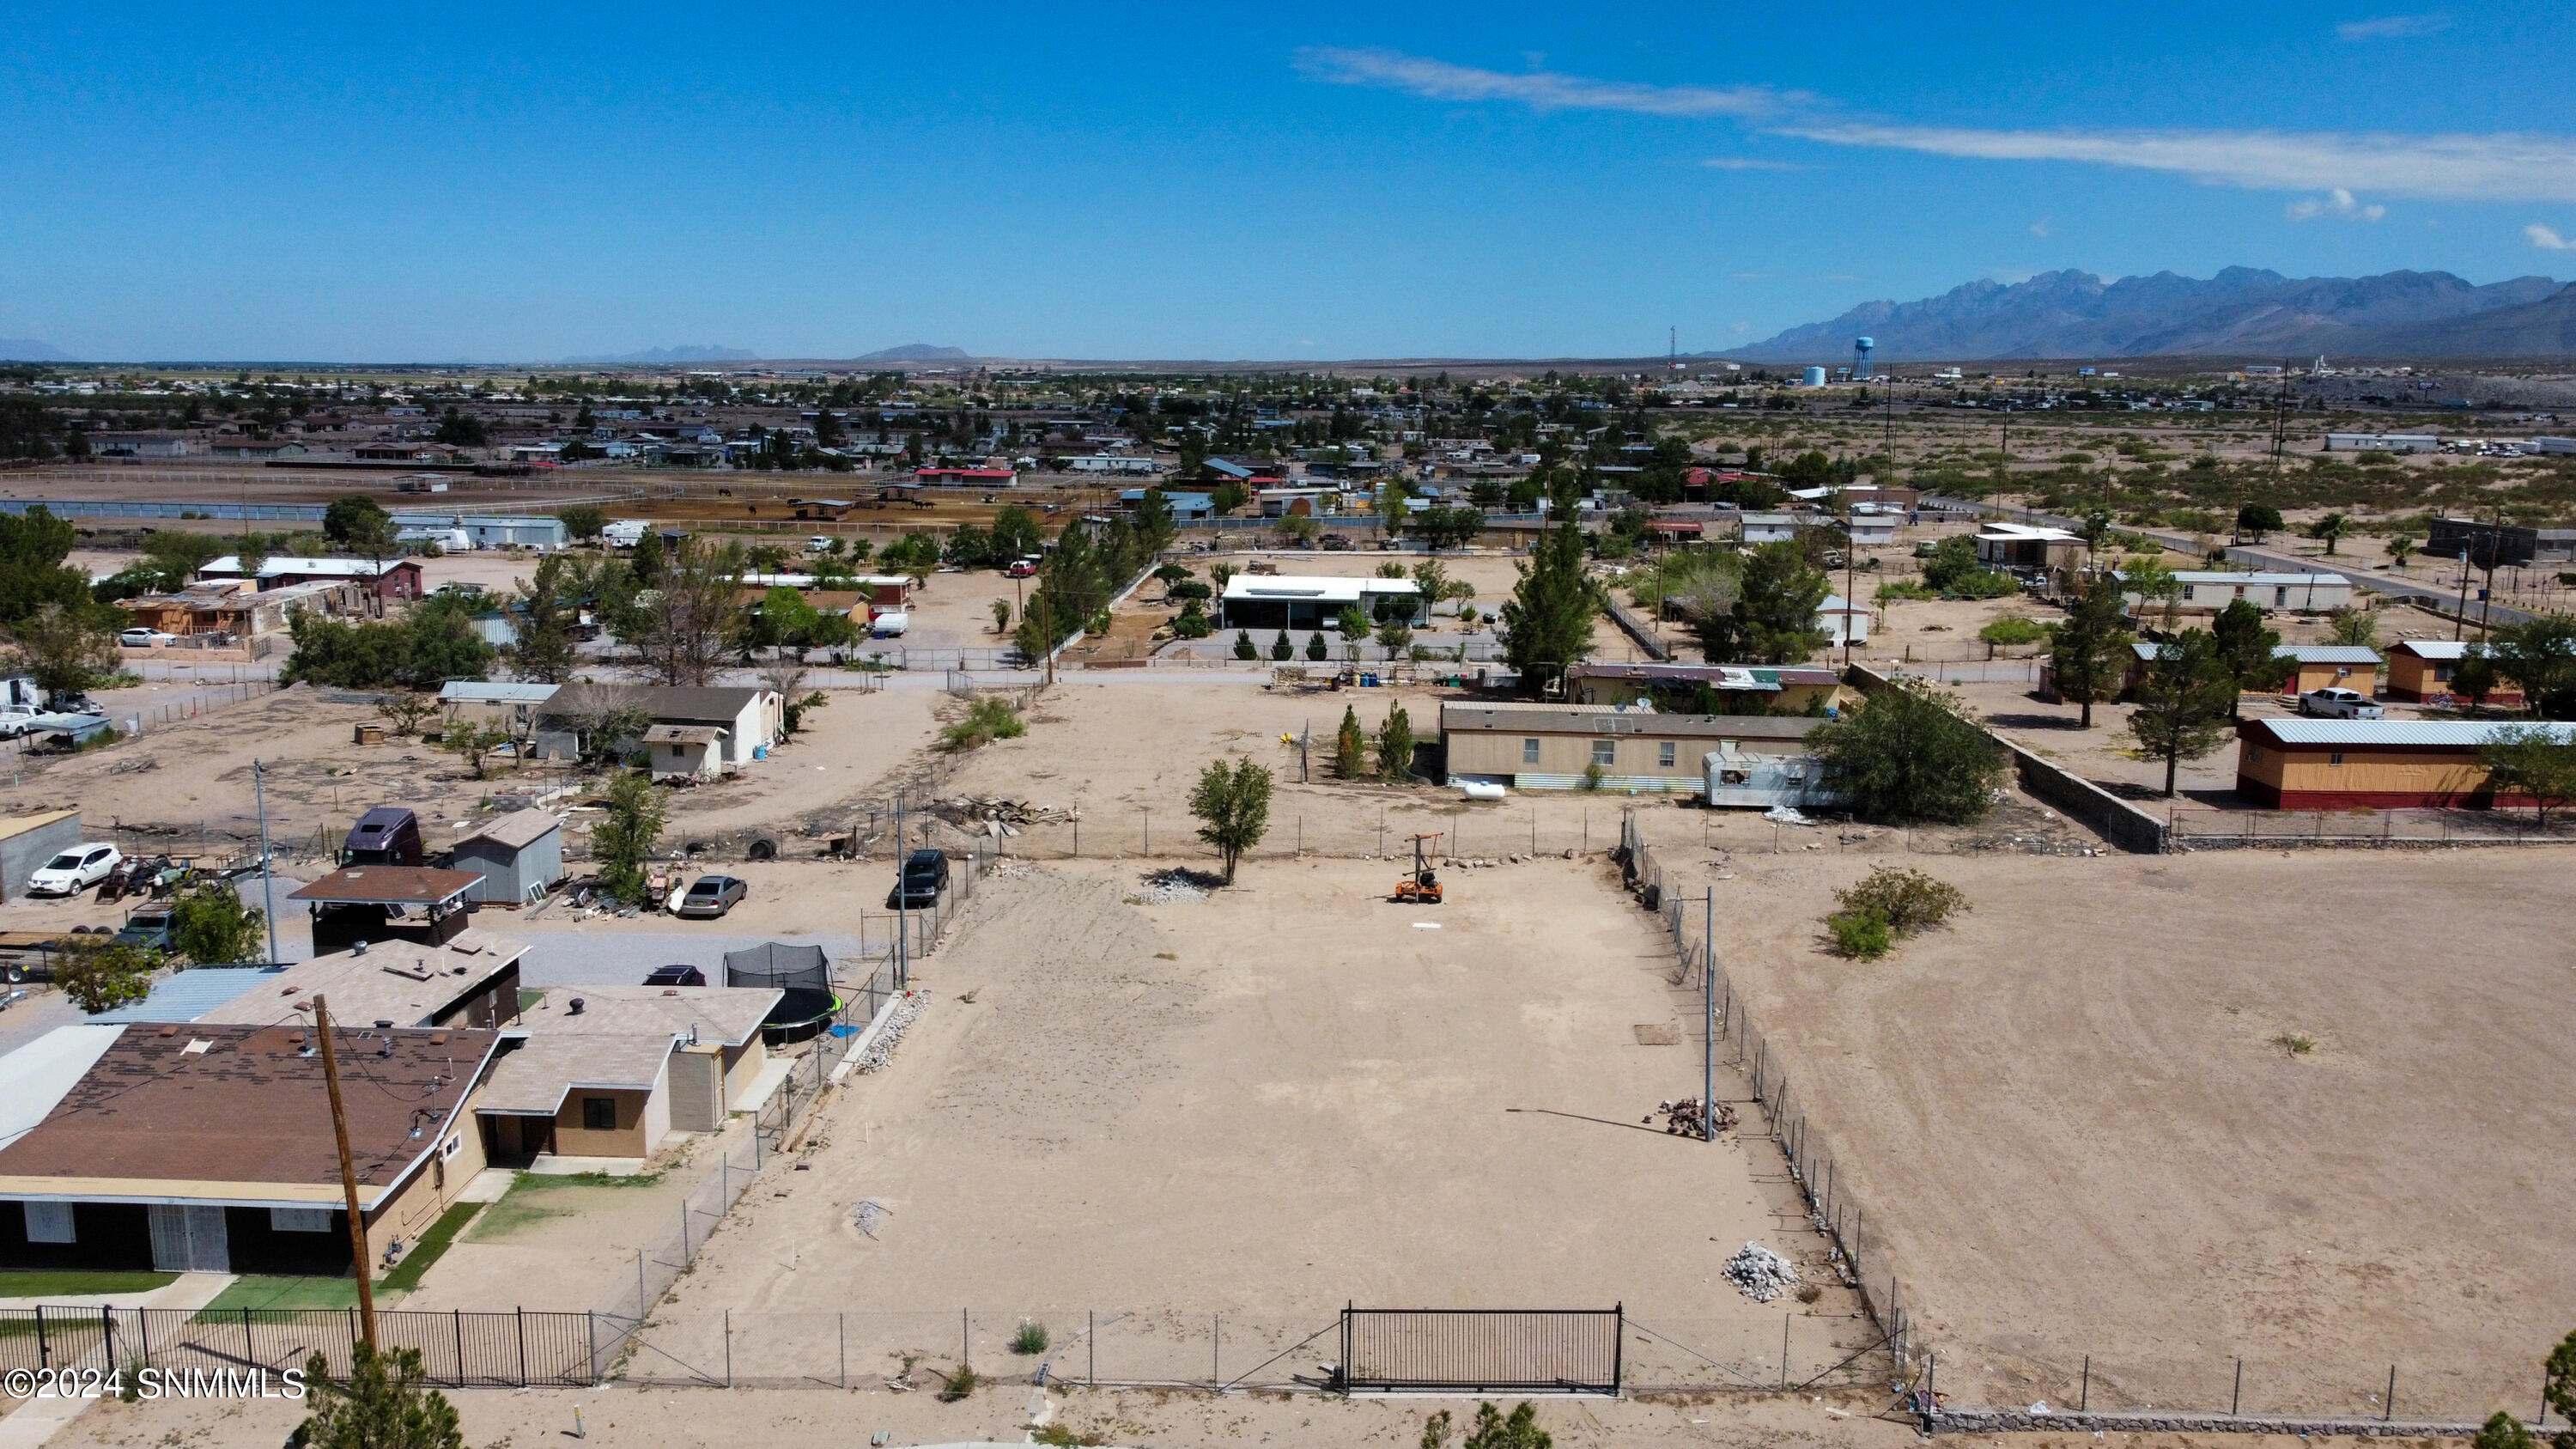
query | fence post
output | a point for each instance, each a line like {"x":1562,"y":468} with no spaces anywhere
{"x":523,"y":1346}
{"x":1785,"y":1320}
{"x":2084,"y":1395}
{"x":107,"y":1328}
{"x":965,"y":1341}
{"x":143,"y":1325}
{"x":2236,"y":1400}
{"x":593,"y":1327}
{"x":2388,"y":1407}
{"x":728,"y":1340}
{"x":845,"y":1348}
{"x":1091,"y":1350}
{"x":250,"y":1348}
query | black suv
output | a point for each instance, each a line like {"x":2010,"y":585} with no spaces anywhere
{"x":925,"y":875}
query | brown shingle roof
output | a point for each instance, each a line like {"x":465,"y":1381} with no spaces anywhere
{"x":390,"y":885}
{"x":246,"y":1112}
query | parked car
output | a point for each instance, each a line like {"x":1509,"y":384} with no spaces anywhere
{"x":925,"y":875}
{"x":710,"y":896}
{"x":17,"y":719}
{"x":1336,"y":542}
{"x":144,"y":638}
{"x":819,"y":543}
{"x":676,"y":976}
{"x":889,"y":625}
{"x":1024,"y":568}
{"x":148,"y":929}
{"x":75,"y":870}
{"x":2333,"y":703}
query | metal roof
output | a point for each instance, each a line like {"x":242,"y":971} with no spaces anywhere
{"x":2327,"y":653}
{"x":520,"y":828}
{"x":2365,"y":733}
{"x":2434,"y":648}
{"x":381,"y":885}
{"x":187,"y":995}
{"x":2221,"y":576}
{"x":1463,"y":716}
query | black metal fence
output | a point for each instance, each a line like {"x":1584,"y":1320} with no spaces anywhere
{"x":1482,"y":1350}
{"x":457,"y":1349}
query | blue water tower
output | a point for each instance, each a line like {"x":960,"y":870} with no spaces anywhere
{"x":1861,"y":348}
{"x":1815,"y":377}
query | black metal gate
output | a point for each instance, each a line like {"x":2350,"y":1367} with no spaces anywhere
{"x":1481,"y":1350}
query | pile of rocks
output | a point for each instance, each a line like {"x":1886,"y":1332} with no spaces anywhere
{"x":1761,"y":1273}
{"x":997,"y":815}
{"x":1175,"y":887}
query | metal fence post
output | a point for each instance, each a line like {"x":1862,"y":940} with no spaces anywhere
{"x":1091,"y":1349}
{"x":523,"y":1346}
{"x":592,"y":1326}
{"x":728,"y":1340}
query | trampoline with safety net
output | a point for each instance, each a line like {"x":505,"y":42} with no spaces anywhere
{"x":803,"y":976}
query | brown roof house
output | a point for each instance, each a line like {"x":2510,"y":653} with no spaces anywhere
{"x":204,"y":1147}
{"x":614,"y":1071}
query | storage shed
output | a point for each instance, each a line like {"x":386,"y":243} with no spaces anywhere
{"x":28,"y":841}
{"x":518,"y":857}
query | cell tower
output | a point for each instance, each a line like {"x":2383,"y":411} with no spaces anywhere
{"x":1861,"y":348}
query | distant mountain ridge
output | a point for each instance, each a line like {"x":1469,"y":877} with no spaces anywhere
{"x":685,"y":353}
{"x":2241,"y":310}
{"x":28,"y":349}
{"x":916,"y":352}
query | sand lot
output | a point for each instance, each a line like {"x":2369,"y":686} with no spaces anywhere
{"x":1260,"y":1105}
{"x":2069,"y":1119}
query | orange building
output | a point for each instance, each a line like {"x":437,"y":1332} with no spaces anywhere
{"x":2420,"y":670}
{"x":2382,"y":764}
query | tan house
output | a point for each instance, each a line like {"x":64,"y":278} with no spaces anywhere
{"x":2371,"y":764}
{"x":1632,"y":750}
{"x":613,"y":1071}
{"x":2421,"y":670}
{"x":2330,"y":666}
{"x":1773,"y":689}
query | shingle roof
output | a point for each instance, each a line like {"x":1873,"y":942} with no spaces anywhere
{"x":248,"y":1106}
{"x":729,"y":1015}
{"x":663,"y":703}
{"x":535,"y":1078}
{"x":388,"y":885}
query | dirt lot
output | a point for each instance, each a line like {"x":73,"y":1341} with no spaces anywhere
{"x":2074,"y":1119}
{"x":1262,"y":1105}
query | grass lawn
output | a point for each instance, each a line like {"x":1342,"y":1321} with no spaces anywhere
{"x":407,"y":1274}
{"x":77,"y":1286}
{"x":266,"y":1292}
{"x":528,"y":1199}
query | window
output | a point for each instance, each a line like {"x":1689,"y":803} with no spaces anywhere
{"x":599,"y":1114}
{"x":299,"y":1220}
{"x":451,"y":1147}
{"x":2335,"y":759}
{"x":2253,"y":753}
{"x":2343,"y":671}
{"x":2190,"y":592}
{"x":1664,"y":754}
{"x":50,"y":1222}
{"x":1605,"y":753}
{"x":1529,"y":752}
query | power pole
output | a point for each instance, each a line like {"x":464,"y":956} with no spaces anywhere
{"x":902,"y":901}
{"x":1708,"y":1035}
{"x":348,"y":1172}
{"x":267,"y":864}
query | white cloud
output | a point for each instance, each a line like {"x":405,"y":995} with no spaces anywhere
{"x":2502,"y":167}
{"x":2498,"y":166}
{"x":2337,"y":203}
{"x":2393,"y":27}
{"x":2548,"y":240}
{"x":1540,"y":90}
{"x":1749,"y":163}
{"x":2043,"y":228}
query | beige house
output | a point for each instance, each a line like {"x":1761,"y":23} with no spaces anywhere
{"x":613,"y":1071}
{"x":1560,"y":746}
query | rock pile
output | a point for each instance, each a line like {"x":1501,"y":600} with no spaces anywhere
{"x":997,"y":815}
{"x":1761,"y":1273}
{"x":1171,"y":888}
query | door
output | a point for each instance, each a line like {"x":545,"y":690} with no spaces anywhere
{"x":190,"y":1239}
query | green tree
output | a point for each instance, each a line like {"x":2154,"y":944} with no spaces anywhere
{"x":67,"y":650}
{"x":2503,"y":1431}
{"x":385,"y":1403}
{"x":1953,"y":559}
{"x":1316,"y":649}
{"x":546,"y":651}
{"x":1243,"y":645}
{"x":2400,"y":549}
{"x":175,"y":557}
{"x":1395,"y":747}
{"x":1520,"y":1430}
{"x":583,"y":521}
{"x":1281,"y":650}
{"x":349,"y":519}
{"x":2249,"y":652}
{"x":1016,"y":534}
{"x":2540,"y":656}
{"x":2558,"y":1387}
{"x":1547,"y":622}
{"x":1776,"y":611}
{"x":2353,"y":626}
{"x":2333,"y":529}
{"x":434,"y":643}
{"x":33,"y":546}
{"x":2089,"y":657}
{"x":100,"y":975}
{"x":473,"y":741}
{"x":2531,"y":761}
{"x":1350,"y":747}
{"x":626,"y":835}
{"x":1233,"y":807}
{"x":1907,"y":754}
{"x":2258,"y":519}
{"x":210,"y":926}
{"x":1394,"y":637}
{"x":2185,"y":696}
{"x":2475,"y":676}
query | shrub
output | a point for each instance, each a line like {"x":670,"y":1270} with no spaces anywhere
{"x":987,"y":719}
{"x":1907,"y":900}
{"x":953,"y":1387}
{"x":1030,"y":1339}
{"x":2297,"y":1044}
{"x":1860,"y":935}
{"x":2013,"y":629}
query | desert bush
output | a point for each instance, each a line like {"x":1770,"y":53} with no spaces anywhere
{"x":1860,"y":935}
{"x":2013,"y":629}
{"x":1908,"y":900}
{"x":987,"y":719}
{"x":1030,"y":1338}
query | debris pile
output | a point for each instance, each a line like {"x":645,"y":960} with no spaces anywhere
{"x":898,"y":1021}
{"x":1682,"y":1118}
{"x":867,"y":1215}
{"x":1177,"y":886}
{"x":1005,"y":868}
{"x":998,"y":816}
{"x":1761,"y":1273}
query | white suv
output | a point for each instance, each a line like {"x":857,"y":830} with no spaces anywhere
{"x":74,"y":870}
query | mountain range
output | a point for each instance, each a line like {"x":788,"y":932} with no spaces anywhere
{"x":685,"y":353}
{"x":28,"y":349}
{"x":915,"y":352}
{"x":2242,"y":311}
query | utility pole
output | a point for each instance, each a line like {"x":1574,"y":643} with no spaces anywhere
{"x":267,"y":865}
{"x":902,"y":901}
{"x":348,"y":1172}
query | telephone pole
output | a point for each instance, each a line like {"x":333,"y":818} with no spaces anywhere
{"x":348,"y":1172}
{"x":267,"y":865}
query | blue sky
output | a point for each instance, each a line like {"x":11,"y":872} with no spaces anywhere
{"x":1493,"y":180}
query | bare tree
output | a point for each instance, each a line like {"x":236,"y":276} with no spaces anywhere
{"x":693,"y":617}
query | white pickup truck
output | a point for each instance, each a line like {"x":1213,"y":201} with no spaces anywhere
{"x":2331,"y":703}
